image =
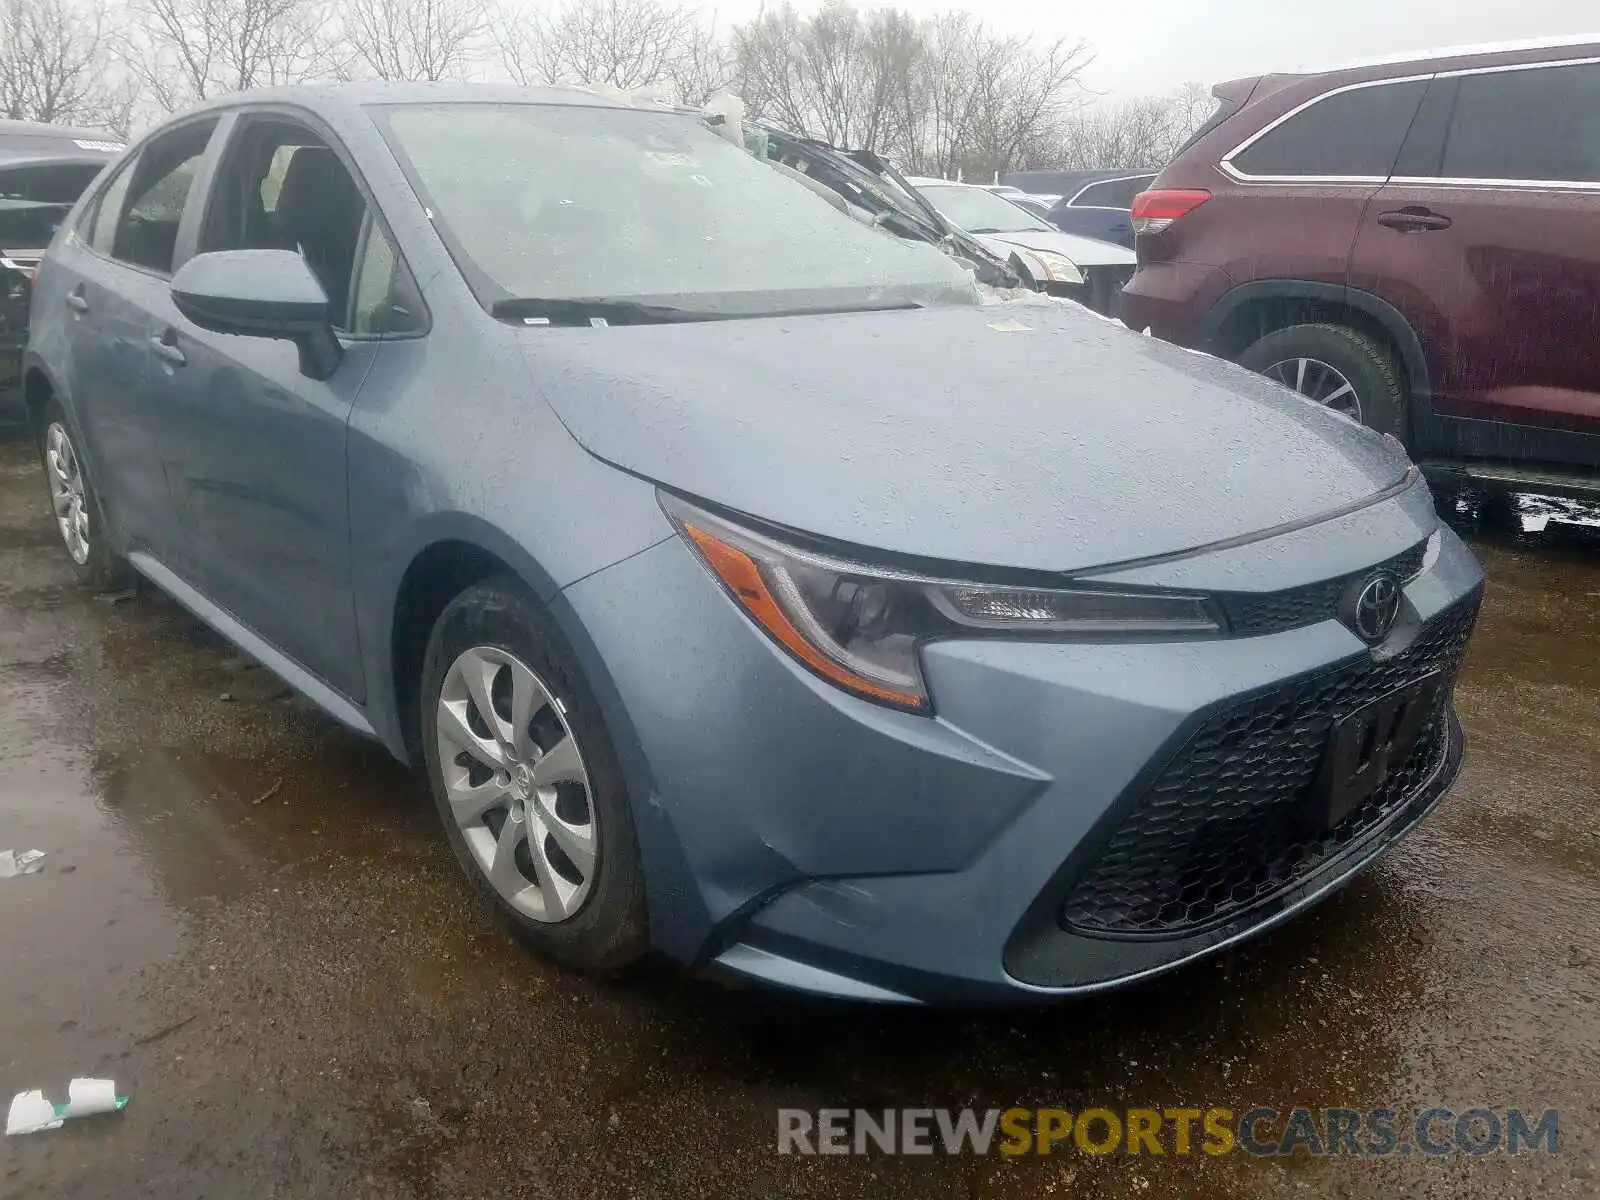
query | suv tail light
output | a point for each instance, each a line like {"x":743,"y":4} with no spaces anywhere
{"x":1153,"y":211}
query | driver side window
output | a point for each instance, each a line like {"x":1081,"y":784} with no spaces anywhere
{"x":282,"y":187}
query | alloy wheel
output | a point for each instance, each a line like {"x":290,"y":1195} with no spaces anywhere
{"x":516,"y":784}
{"x":1316,"y":380}
{"x":67,"y":497}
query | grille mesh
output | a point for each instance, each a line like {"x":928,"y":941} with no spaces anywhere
{"x":1222,"y":828}
{"x":1251,"y":614}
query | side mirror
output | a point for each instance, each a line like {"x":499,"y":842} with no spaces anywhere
{"x":260,"y":293}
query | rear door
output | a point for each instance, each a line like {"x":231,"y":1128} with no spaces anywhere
{"x":1487,"y":240}
{"x":1298,"y":187}
{"x":116,"y":270}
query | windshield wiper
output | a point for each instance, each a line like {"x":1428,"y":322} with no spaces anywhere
{"x":537,"y":310}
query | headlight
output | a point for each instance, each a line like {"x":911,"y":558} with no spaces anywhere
{"x":1058,"y":267}
{"x":859,"y":626}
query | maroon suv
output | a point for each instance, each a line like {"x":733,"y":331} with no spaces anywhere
{"x":1416,"y":243}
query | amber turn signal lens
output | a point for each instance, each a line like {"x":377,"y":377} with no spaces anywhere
{"x":741,"y":575}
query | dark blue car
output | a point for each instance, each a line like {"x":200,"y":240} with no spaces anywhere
{"x":751,"y":584}
{"x":1102,"y":208}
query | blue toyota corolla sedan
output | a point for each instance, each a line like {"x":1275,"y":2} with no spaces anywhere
{"x":753,"y":587}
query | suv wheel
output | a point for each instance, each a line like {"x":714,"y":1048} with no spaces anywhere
{"x":526,"y":781}
{"x":76,"y":507}
{"x":1340,"y":367}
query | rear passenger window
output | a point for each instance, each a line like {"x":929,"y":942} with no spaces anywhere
{"x":142,"y":224}
{"x":1541,"y":125}
{"x":1348,"y":134}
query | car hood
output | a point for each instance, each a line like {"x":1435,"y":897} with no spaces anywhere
{"x":1026,"y":436}
{"x":1084,"y":251}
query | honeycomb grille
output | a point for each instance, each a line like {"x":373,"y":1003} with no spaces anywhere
{"x":1251,"y":614}
{"x":1223,"y":827}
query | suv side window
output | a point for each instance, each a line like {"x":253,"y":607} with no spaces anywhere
{"x":1349,"y":134}
{"x":1540,"y":125}
{"x":139,"y":214}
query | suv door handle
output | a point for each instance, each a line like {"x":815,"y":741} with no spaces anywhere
{"x":77,"y":303}
{"x":1414,"y":219}
{"x":166,"y":348}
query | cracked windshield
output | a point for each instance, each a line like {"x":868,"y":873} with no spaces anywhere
{"x":627,"y":599}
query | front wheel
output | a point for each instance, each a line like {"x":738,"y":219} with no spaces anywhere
{"x":1336,"y":366}
{"x":526,"y":781}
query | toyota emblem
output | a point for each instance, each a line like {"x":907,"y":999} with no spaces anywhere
{"x":1372,"y":605}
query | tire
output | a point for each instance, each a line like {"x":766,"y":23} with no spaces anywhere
{"x":498,"y":630}
{"x":1366,"y":363}
{"x":82,"y":525}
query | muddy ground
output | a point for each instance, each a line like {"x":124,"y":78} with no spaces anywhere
{"x":248,"y":918}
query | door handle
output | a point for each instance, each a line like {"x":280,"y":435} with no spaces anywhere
{"x":168,"y":351}
{"x":77,"y":303}
{"x":1413,"y":220}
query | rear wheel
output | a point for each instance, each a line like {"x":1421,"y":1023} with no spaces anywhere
{"x":76,"y":507}
{"x":526,"y":781}
{"x":1336,"y":366}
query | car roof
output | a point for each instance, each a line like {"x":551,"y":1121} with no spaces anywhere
{"x":1066,"y":182}
{"x":352,"y":96}
{"x":33,"y":158}
{"x":27,"y":142}
{"x":1478,"y":50}
{"x":10,"y":128}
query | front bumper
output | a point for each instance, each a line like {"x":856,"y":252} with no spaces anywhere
{"x":800,"y":836}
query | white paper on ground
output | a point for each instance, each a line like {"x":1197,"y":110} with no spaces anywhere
{"x":26,"y":863}
{"x":85,"y":1097}
{"x":32,"y":1112}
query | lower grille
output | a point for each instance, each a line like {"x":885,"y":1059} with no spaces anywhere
{"x":1222,"y":827}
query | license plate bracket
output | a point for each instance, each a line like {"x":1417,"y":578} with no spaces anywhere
{"x":1368,"y":745}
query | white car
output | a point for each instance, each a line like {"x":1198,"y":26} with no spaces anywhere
{"x":1084,"y":269}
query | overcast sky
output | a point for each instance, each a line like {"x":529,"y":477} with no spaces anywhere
{"x":1156,"y":46}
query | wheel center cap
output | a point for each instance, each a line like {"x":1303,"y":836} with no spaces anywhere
{"x":522,"y":780}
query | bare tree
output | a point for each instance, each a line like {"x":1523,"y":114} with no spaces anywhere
{"x":940,"y":108}
{"x":1023,"y":93}
{"x":765,"y":50}
{"x":706,"y":65}
{"x":1194,"y":104}
{"x":416,"y":39}
{"x":619,"y":43}
{"x":944,"y":94}
{"x":832,"y":75}
{"x":188,"y":50}
{"x":1142,"y":132}
{"x":56,"y":65}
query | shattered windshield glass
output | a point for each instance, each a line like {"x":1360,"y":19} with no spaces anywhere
{"x":571,"y":202}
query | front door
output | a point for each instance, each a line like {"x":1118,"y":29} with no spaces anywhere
{"x":256,"y":453}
